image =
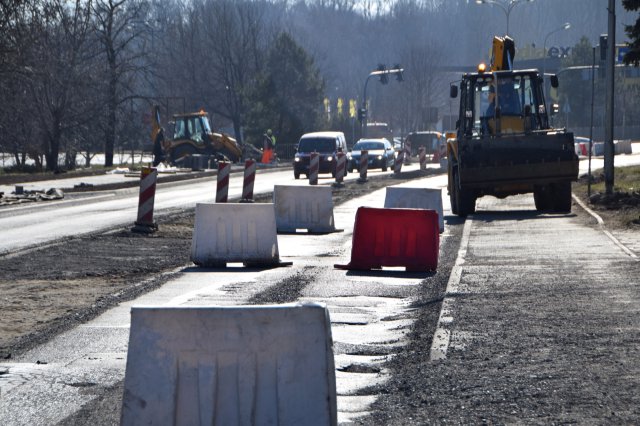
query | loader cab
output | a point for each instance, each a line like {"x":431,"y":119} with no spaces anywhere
{"x":193,"y":127}
{"x":501,"y":102}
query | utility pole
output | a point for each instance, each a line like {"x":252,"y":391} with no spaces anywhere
{"x":609,"y":114}
{"x":593,"y":78}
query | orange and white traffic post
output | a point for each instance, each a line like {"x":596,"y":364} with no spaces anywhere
{"x":341,"y":167}
{"x":397,"y":167}
{"x":364,"y":165}
{"x":314,"y":168}
{"x":222,"y":191}
{"x":422,"y":155}
{"x":249,"y":179}
{"x":148,"y":180}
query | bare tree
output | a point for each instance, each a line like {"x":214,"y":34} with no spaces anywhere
{"x":55,"y":76}
{"x":119,"y":25}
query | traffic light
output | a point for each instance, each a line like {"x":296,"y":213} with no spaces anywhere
{"x":384,"y":78}
{"x":362,"y":114}
{"x":603,"y":47}
{"x":603,"y":56}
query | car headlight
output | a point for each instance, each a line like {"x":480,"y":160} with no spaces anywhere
{"x":296,"y":159}
{"x":379,"y":157}
{"x":329,"y":158}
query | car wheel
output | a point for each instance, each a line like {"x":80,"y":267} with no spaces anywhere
{"x":384,"y":166}
{"x":296,"y":175}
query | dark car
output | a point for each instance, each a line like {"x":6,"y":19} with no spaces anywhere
{"x":326,"y":144}
{"x":380,"y":151}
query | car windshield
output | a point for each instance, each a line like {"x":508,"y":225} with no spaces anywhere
{"x":317,"y":145}
{"x":368,"y":146}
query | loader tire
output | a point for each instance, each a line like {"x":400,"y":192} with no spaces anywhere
{"x":542,"y":197}
{"x":453,"y":193}
{"x":465,"y":198}
{"x":561,"y":197}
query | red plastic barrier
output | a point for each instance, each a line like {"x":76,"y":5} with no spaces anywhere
{"x":583,"y":149}
{"x":395,"y":237}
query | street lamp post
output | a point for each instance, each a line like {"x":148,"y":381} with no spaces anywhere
{"x":506,"y":6}
{"x":564,"y":26}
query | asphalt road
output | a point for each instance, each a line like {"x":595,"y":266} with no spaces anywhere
{"x":34,"y":224}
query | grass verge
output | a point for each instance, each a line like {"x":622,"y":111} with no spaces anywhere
{"x":621,"y":208}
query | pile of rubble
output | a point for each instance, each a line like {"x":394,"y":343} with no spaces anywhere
{"x":20,"y":196}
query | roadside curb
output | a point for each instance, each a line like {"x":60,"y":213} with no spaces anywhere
{"x":602,"y":227}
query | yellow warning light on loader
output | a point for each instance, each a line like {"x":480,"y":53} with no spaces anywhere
{"x":482,"y":67}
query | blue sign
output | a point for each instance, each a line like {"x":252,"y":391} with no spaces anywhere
{"x":621,"y":52}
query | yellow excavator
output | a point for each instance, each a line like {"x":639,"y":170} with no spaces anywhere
{"x":192,"y":135}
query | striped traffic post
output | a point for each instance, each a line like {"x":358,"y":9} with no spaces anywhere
{"x":341,"y":166}
{"x":397,"y":167}
{"x":249,"y":179}
{"x":422,"y":154}
{"x":314,"y":168}
{"x":407,"y":151}
{"x":364,"y":165}
{"x":148,"y":179}
{"x":222,"y":191}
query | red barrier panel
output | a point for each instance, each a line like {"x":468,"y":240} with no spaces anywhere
{"x":583,"y":149}
{"x":394,"y":237}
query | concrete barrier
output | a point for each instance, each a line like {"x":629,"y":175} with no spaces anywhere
{"x":598,"y":148}
{"x":416,"y":198}
{"x":246,"y":365}
{"x":226,"y":233}
{"x":299,"y":207}
{"x":622,"y":147}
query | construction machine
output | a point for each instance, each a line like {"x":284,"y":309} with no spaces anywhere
{"x":504,"y":144}
{"x":192,"y":135}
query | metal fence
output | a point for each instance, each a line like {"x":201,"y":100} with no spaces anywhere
{"x":285,"y":152}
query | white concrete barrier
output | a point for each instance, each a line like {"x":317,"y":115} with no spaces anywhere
{"x":243,"y":365}
{"x":226,"y":233}
{"x":622,"y":147}
{"x":303,"y":207}
{"x":416,"y":198}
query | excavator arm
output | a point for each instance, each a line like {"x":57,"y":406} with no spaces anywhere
{"x":157,"y":136}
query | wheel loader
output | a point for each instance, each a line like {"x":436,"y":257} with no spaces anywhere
{"x":504,"y":144}
{"x":192,"y":135}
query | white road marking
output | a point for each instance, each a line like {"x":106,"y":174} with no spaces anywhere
{"x":442,"y":335}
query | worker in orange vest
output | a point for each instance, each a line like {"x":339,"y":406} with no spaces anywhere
{"x":269,"y":143}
